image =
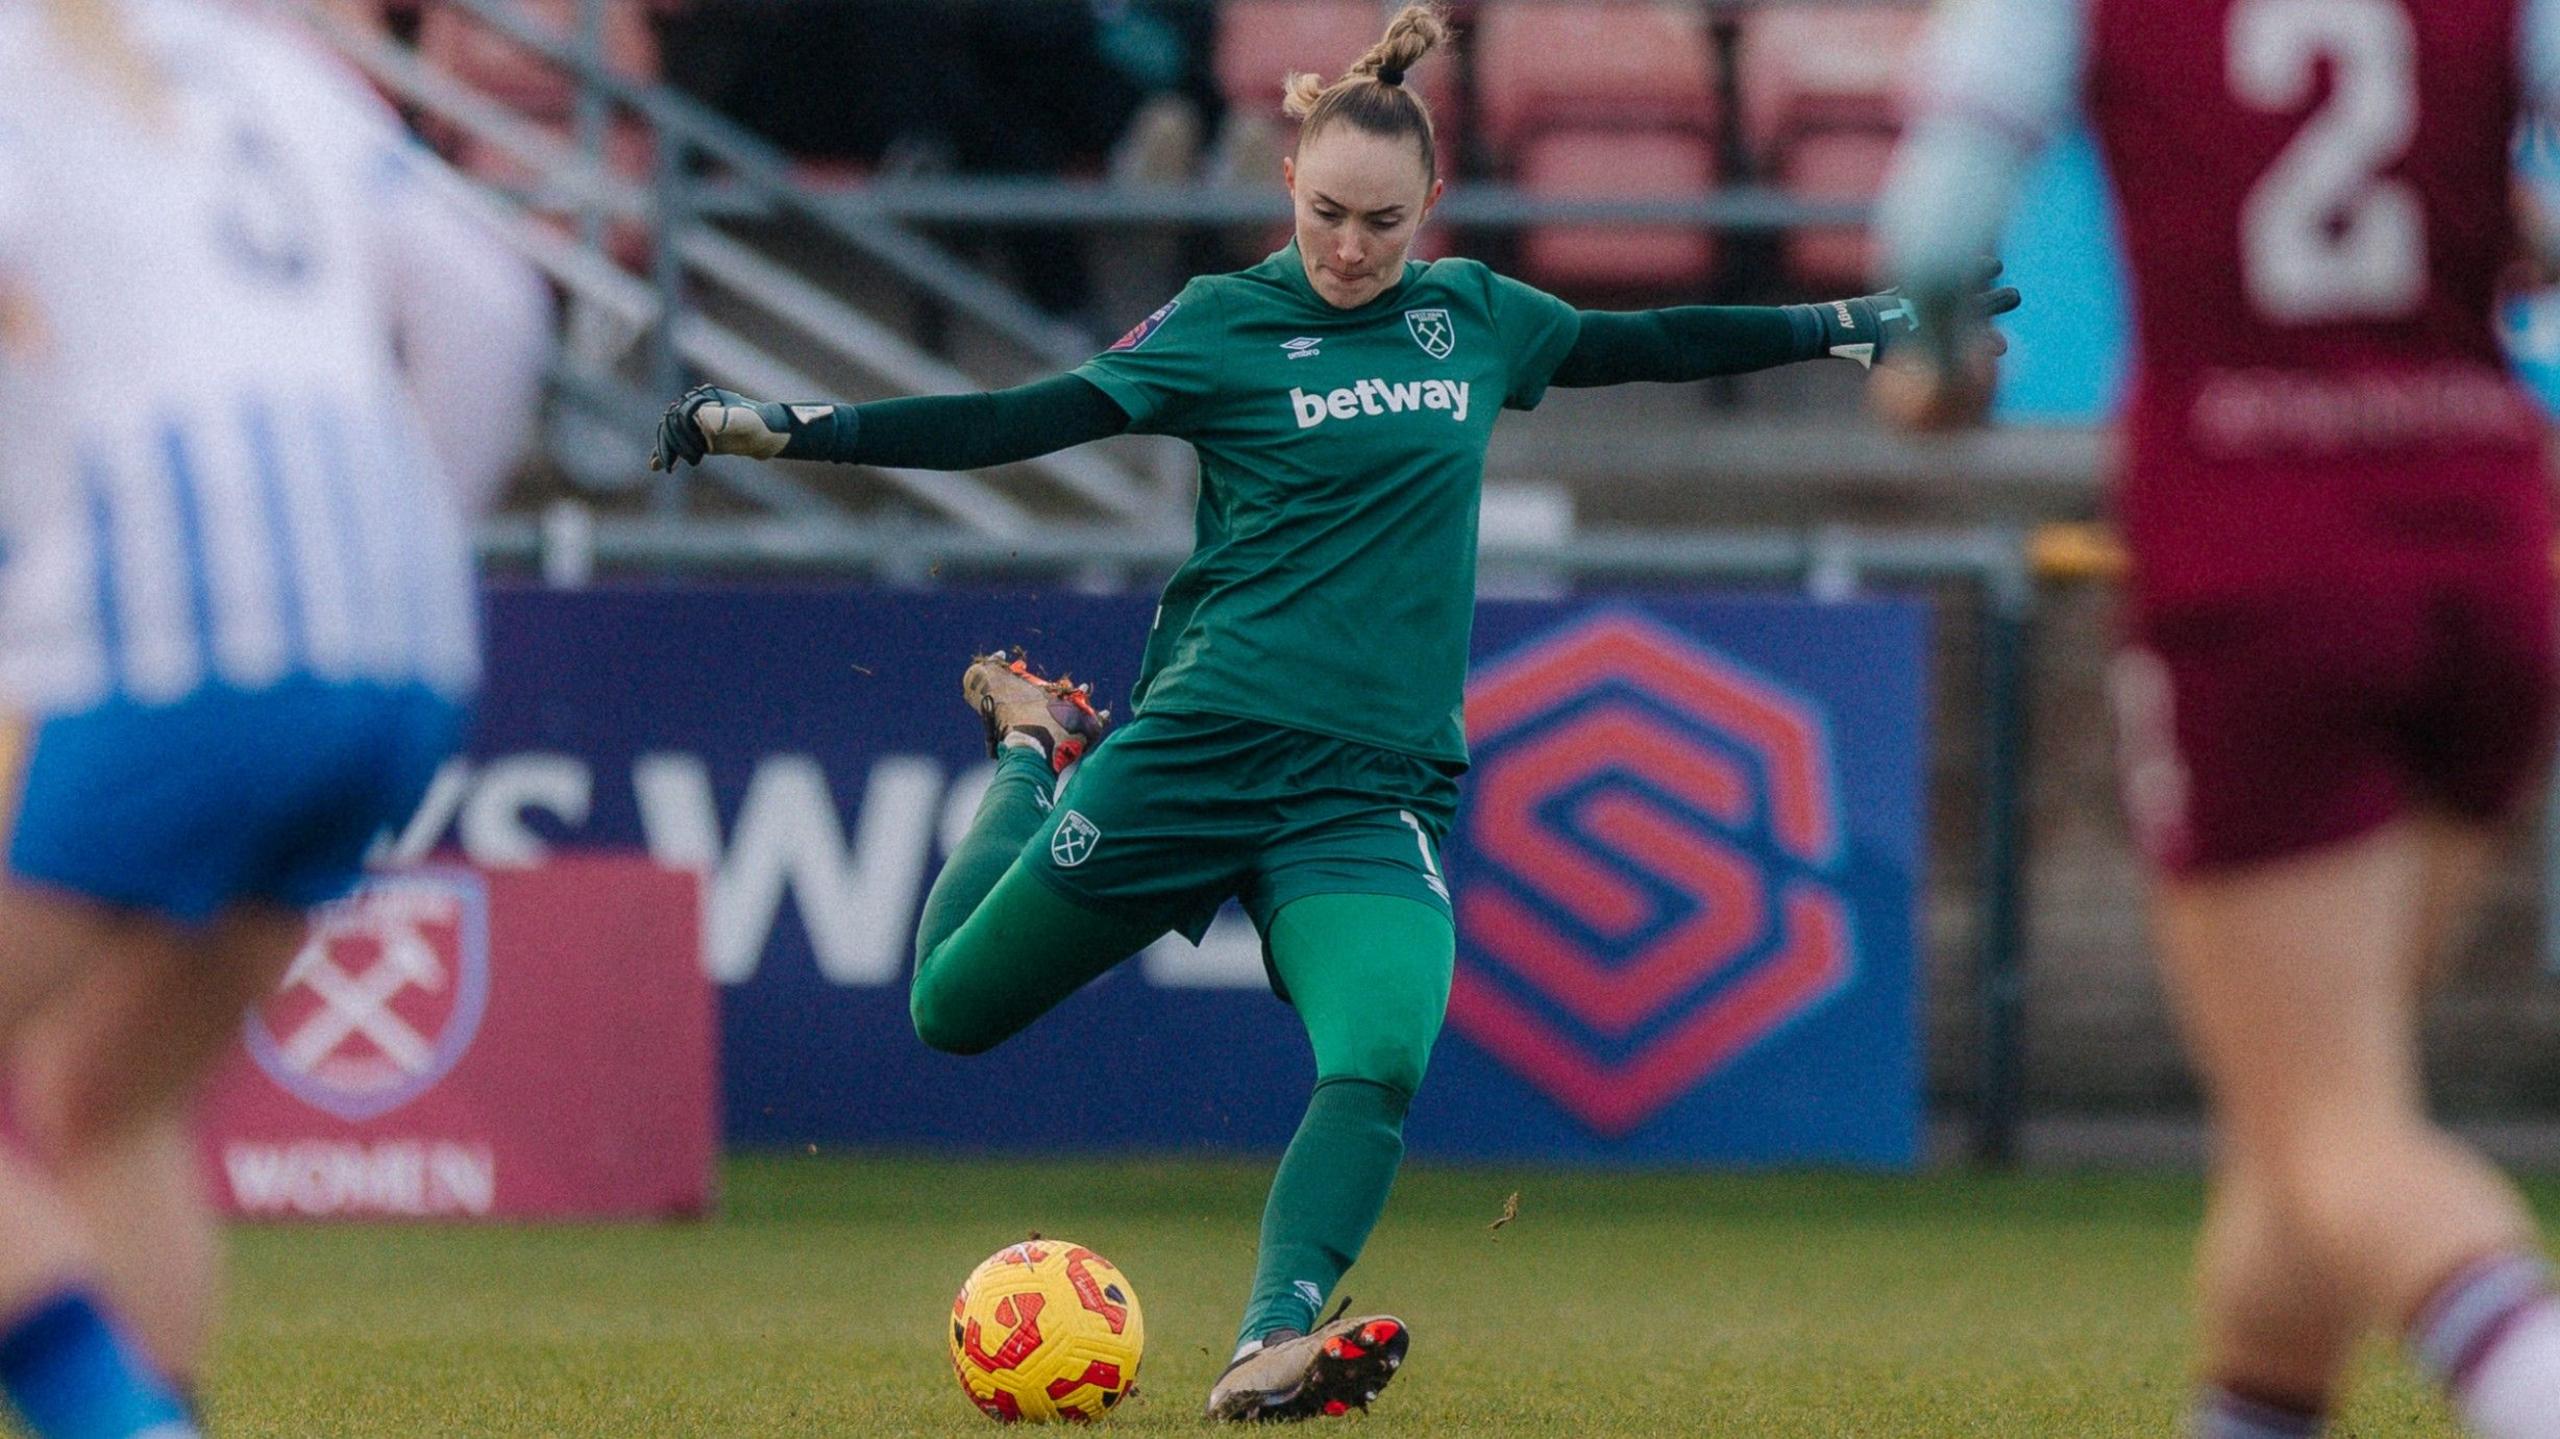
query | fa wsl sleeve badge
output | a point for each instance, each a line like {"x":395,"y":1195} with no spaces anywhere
{"x":1139,"y":332}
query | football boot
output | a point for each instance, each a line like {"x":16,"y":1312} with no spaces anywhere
{"x":1338,"y":1368}
{"x":1058,"y":715}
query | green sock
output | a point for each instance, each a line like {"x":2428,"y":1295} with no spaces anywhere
{"x":1331,"y":1188}
{"x":1017,"y":800}
{"x":1369,"y":976}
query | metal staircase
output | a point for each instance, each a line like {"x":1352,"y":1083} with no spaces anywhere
{"x":749,"y":281}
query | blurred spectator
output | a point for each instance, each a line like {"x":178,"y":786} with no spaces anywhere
{"x":969,"y":87}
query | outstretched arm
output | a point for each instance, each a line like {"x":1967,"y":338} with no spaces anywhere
{"x":2001,"y":77}
{"x":473,"y":321}
{"x":1693,"y":342}
{"x":925,"y":432}
{"x":1684,"y":343}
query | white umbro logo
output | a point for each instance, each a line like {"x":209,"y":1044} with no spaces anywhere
{"x":1301,"y":348}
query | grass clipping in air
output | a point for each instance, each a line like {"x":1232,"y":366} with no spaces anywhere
{"x":1634,"y":1305}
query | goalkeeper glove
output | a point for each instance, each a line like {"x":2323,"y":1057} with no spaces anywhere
{"x":706,"y":420}
{"x":1867,"y":328}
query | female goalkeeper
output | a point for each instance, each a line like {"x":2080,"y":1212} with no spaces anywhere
{"x":1296,"y":739}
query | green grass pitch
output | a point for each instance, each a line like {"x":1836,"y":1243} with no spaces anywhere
{"x":1614,"y":1305}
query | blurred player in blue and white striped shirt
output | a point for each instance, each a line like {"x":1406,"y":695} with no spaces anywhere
{"x":259,"y":367}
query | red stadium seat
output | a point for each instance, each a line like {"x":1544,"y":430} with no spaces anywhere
{"x":1616,"y":260}
{"x":1845,"y":164}
{"x":1810,"y":66}
{"x":629,"y":151}
{"x":1619,"y":62}
{"x":1602,"y":100}
{"x":1261,"y":42}
{"x":831,"y":172}
{"x":1821,"y":109}
{"x":452,"y":41}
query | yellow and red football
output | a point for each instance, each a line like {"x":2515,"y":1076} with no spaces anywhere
{"x":1046,"y":1330}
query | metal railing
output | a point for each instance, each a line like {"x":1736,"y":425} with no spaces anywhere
{"x":711,"y":171}
{"x":679,"y":206}
{"x":1018,"y":202}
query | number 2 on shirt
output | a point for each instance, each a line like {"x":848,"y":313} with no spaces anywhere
{"x":2324,"y":236}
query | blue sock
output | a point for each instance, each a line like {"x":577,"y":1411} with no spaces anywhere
{"x":72,"y":1376}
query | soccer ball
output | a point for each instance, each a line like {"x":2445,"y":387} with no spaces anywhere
{"x":1046,"y":1330}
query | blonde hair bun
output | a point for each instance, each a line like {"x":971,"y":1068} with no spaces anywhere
{"x":1417,"y":30}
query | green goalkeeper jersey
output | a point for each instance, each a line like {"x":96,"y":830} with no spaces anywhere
{"x":1332,"y":587}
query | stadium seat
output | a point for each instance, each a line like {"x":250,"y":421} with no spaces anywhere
{"x":1810,"y":65}
{"x":629,"y":152}
{"x":450,"y":39}
{"x":832,"y":172}
{"x":1820,"y":110}
{"x":1602,"y":100}
{"x":453,"y":41}
{"x":1832,"y":165}
{"x":1262,"y":41}
{"x":1617,"y":62}
{"x":1633,"y":262}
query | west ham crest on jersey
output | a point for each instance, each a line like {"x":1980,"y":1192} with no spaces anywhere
{"x":1432,"y":331}
{"x":1073,"y":844}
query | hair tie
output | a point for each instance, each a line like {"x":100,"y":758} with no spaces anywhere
{"x":1390,"y":77}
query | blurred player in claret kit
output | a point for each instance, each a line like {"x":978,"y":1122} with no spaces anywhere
{"x":2338,"y":665}
{"x":261,"y":366}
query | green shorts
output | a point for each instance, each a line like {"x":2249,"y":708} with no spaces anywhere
{"x":1176,"y":812}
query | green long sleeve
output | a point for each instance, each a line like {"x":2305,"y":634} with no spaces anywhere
{"x":959,"y":432}
{"x":1688,"y":342}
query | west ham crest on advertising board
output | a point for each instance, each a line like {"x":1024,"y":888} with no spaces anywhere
{"x":384,"y":999}
{"x":1432,"y":331}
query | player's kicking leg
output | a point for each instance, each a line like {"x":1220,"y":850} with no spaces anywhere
{"x":996,"y":948}
{"x":2297,"y":982}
